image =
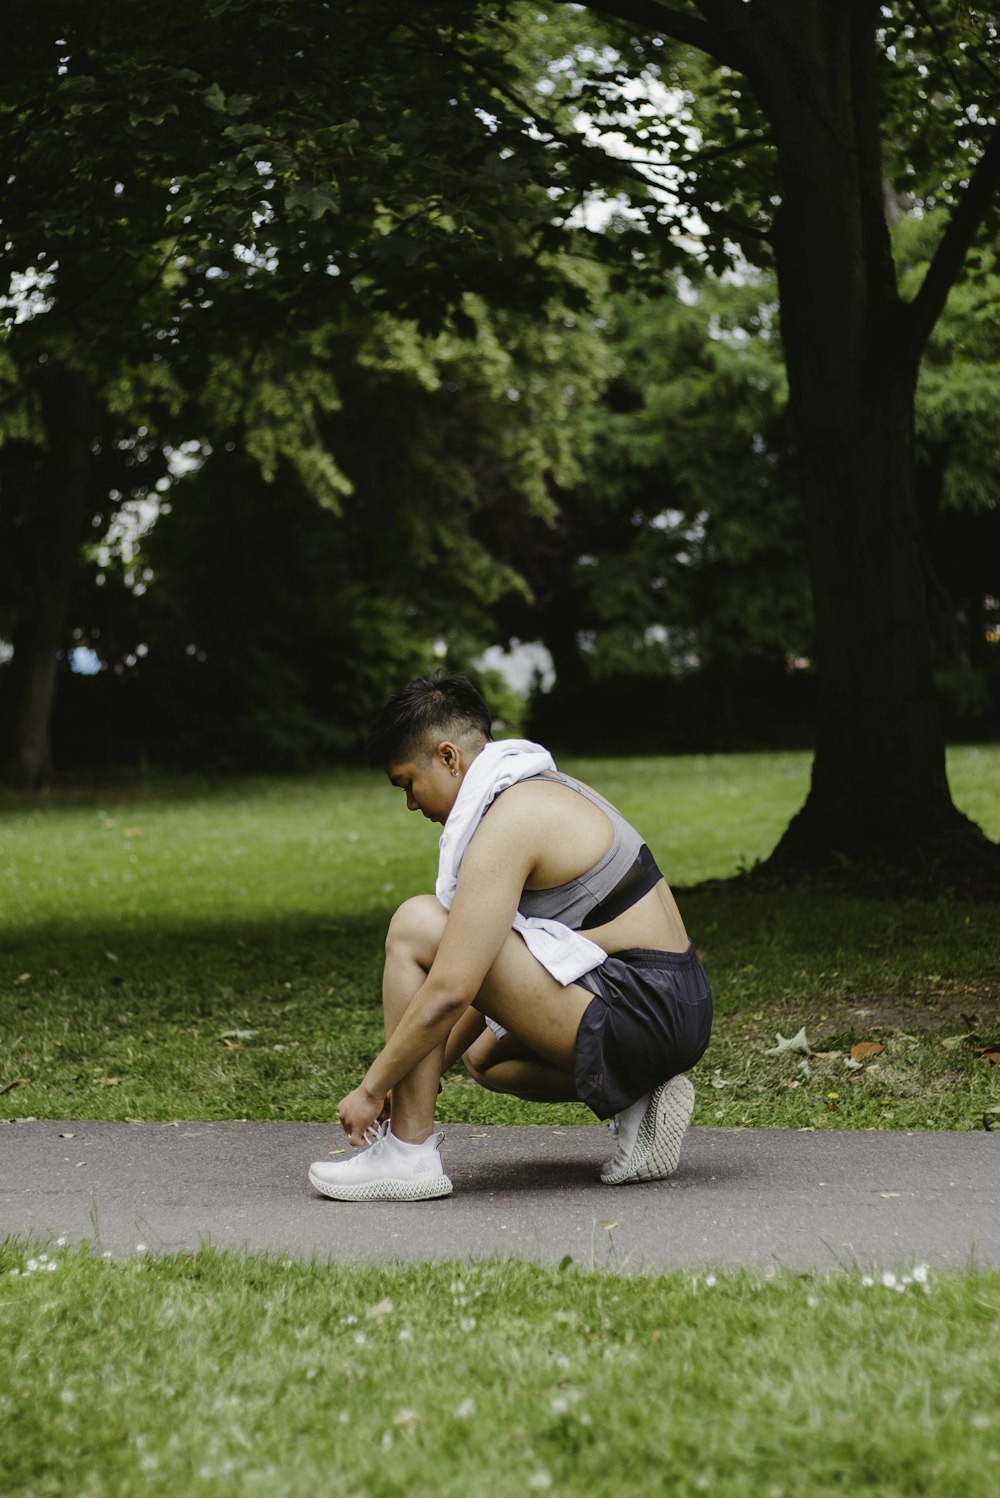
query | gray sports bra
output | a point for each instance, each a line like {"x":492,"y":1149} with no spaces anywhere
{"x":626,"y":872}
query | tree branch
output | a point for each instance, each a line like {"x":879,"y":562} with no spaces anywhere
{"x":924,"y":310}
{"x":650,"y":15}
{"x":572,"y":143}
{"x":713,"y":153}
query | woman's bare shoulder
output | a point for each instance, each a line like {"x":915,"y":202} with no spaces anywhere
{"x":530,"y":806}
{"x":543,"y":808}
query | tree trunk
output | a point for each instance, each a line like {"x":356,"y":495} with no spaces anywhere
{"x":50,"y":556}
{"x":879,"y":788}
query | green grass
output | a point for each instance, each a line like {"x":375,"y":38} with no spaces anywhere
{"x":222,"y":1376}
{"x":188,"y":950}
{"x":143,"y":928}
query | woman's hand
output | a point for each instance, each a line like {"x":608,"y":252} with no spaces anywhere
{"x":357,"y":1112}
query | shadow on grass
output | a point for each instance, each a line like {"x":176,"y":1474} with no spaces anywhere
{"x":142,"y":939}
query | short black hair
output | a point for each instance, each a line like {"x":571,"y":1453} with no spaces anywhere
{"x":430,"y":708}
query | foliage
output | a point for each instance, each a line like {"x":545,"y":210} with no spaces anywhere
{"x":707,"y":114}
{"x":263,"y":302}
{"x":267,"y":628}
{"x":680,"y":554}
{"x":958,"y":470}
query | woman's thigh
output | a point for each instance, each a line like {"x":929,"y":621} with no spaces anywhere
{"x":538,"y":1010}
{"x":517,"y":991}
{"x":489,"y":1050}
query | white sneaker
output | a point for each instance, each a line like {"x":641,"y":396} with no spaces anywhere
{"x":650,"y":1134}
{"x":386,"y":1171}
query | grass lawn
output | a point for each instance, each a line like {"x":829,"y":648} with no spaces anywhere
{"x":186,"y":950}
{"x":190,"y":951}
{"x":225,"y":1376}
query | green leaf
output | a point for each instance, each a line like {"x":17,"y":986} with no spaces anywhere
{"x":315,"y":200}
{"x":78,"y":83}
{"x":154,"y":116}
{"x":241,"y":134}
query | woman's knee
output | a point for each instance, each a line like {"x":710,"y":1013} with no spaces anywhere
{"x":417,"y":927}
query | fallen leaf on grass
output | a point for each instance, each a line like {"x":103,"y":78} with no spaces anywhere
{"x":239,"y":1034}
{"x":22,"y":978}
{"x":993,"y":1056}
{"x":17,"y":1082}
{"x":950,"y":1041}
{"x":109,"y":1081}
{"x":866,"y":1048}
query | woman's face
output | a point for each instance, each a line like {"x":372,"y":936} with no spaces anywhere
{"x":431,"y":784}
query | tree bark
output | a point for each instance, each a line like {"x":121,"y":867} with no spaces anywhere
{"x":49,"y":560}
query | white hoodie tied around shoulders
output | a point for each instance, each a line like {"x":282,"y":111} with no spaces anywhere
{"x":565,"y":953}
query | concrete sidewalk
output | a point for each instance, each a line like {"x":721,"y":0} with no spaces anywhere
{"x":755,"y":1197}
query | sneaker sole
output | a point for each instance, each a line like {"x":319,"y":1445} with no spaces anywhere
{"x":657,"y":1148}
{"x":419,"y":1190}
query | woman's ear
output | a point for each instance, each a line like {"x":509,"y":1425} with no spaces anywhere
{"x":450,"y":756}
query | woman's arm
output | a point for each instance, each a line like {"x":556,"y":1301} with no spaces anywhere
{"x":494,"y":870}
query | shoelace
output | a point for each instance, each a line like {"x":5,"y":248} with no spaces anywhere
{"x":375,"y":1137}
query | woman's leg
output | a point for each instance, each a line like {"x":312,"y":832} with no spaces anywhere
{"x":411,"y":945}
{"x":542,"y":1018}
{"x":541,"y":1014}
{"x":502,"y":1064}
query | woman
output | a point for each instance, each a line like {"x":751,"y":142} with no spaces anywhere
{"x":552,"y":957}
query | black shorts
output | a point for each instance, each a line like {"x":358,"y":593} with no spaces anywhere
{"x":650,"y":1018}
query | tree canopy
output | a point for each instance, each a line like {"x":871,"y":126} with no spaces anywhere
{"x":228,"y":230}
